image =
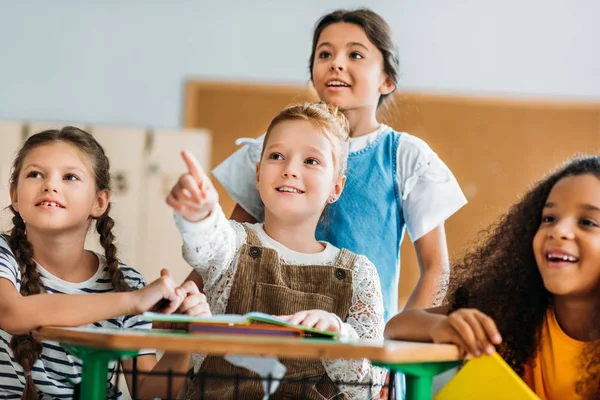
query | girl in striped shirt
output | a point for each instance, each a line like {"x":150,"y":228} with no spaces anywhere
{"x":60,"y":182}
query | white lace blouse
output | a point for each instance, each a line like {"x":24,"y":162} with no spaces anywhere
{"x":212,"y":248}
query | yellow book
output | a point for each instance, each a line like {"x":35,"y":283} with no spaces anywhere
{"x":486,"y":377}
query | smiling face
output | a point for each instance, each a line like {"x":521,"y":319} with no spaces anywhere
{"x":56,"y":189}
{"x":297,"y":176}
{"x":567,"y":243}
{"x":348,"y":69}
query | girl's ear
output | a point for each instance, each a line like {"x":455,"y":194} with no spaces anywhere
{"x":387,"y":86}
{"x":338,"y":188}
{"x":100,"y":204}
{"x":257,"y":173}
{"x":13,"y":198}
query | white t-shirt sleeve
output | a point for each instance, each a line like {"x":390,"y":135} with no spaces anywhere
{"x":9,"y":269}
{"x":237,"y":174}
{"x":430,"y":193}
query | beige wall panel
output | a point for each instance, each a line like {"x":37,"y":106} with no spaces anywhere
{"x":161,"y":240}
{"x":125,"y":149}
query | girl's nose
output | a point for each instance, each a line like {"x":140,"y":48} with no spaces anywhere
{"x":49,"y":186}
{"x":337,"y":64}
{"x":562,"y":230}
{"x":288,"y":173}
{"x":290,"y":170}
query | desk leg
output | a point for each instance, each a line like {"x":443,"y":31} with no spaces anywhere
{"x":93,"y":378}
{"x":419,"y":376}
{"x":418,"y":387}
{"x":94,"y":370}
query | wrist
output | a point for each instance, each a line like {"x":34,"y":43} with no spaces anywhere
{"x":200,"y":223}
{"x":435,"y":327}
{"x":337,"y":325}
{"x":204,"y":215}
{"x":131,"y":302}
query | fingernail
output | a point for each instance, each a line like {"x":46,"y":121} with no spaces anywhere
{"x":490,"y":350}
{"x":477,"y":353}
{"x":497,"y":338}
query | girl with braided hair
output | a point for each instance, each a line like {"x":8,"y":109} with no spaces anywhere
{"x":530,"y":289}
{"x":60,"y":183}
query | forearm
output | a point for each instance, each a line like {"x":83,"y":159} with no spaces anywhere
{"x":430,"y":289}
{"x":432,"y":255}
{"x":156,"y":385}
{"x":27,"y":313}
{"x":413,"y":325}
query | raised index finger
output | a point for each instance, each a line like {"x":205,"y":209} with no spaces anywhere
{"x":193,"y":166}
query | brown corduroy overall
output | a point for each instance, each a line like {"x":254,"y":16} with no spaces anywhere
{"x":263,"y":283}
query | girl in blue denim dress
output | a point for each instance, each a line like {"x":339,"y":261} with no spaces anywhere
{"x":396,"y":182}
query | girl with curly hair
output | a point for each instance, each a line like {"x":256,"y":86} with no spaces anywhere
{"x":531,"y":288}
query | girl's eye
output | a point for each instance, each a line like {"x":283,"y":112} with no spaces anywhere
{"x":356,"y":55}
{"x":587,"y":222}
{"x":34,"y":174}
{"x":324,"y":54}
{"x":275,"y":156}
{"x":548,"y":219}
{"x":71,"y":177}
{"x":312,"y":161}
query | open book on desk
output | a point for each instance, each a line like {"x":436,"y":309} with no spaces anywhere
{"x":252,"y":323}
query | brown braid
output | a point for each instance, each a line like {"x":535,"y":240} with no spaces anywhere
{"x":104,"y":226}
{"x":25,"y":348}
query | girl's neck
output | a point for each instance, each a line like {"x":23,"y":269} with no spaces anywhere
{"x":63,"y":255}
{"x":296,"y":235}
{"x":362,"y":120}
{"x":573,"y":315}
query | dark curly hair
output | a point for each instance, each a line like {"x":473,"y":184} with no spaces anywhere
{"x":500,"y":277}
{"x":25,"y":348}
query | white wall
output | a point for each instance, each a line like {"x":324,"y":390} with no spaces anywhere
{"x":126,"y":61}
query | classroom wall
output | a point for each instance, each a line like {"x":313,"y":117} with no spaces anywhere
{"x":125,"y":62}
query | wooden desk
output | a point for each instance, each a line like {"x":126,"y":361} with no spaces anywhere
{"x":97,"y":347}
